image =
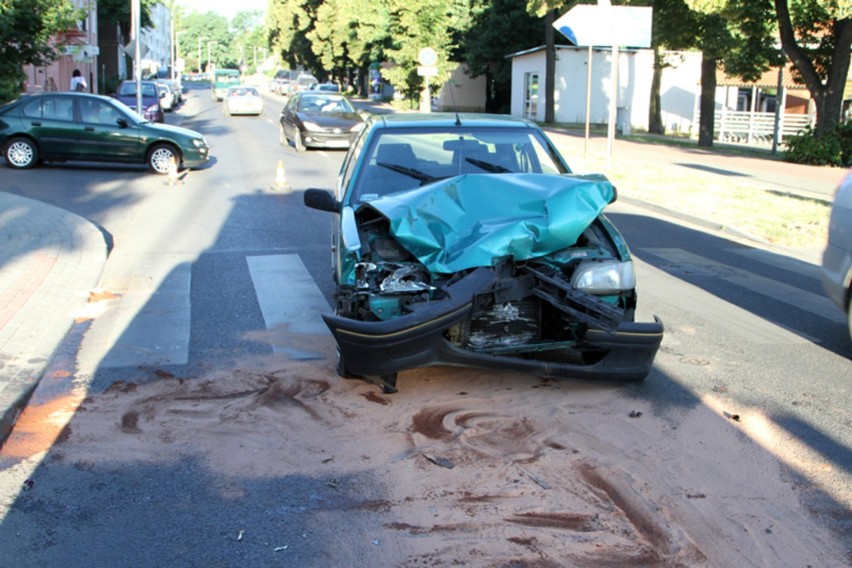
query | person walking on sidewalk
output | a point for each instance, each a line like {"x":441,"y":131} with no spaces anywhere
{"x":78,"y":83}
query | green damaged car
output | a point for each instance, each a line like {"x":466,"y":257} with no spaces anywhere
{"x":466,"y":240}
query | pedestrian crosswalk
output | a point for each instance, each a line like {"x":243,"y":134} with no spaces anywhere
{"x":153,"y":327}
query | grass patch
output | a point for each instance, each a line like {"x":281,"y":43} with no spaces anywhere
{"x":782,"y":219}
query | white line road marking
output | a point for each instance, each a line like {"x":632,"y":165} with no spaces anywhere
{"x":288,"y":297}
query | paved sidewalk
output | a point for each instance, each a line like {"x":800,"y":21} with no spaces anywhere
{"x":50,"y":260}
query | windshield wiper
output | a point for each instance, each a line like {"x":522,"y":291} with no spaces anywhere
{"x":488,"y":166}
{"x":410,"y":172}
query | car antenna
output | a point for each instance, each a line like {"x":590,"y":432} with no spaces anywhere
{"x":455,"y":108}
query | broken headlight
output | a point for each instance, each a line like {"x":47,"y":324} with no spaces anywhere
{"x":606,"y":277}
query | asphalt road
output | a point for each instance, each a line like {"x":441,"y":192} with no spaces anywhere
{"x":202,"y":267}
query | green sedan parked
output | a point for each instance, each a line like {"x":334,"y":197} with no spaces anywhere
{"x":59,"y":127}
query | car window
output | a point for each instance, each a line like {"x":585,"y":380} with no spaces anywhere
{"x":322,"y":103}
{"x":51,"y":108}
{"x":399,"y":159}
{"x":94,"y":111}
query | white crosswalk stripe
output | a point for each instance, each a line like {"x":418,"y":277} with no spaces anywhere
{"x":288,"y":298}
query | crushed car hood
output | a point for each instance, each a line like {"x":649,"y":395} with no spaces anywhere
{"x":470,"y":220}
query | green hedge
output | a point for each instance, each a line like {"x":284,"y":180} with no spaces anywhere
{"x":834,"y":148}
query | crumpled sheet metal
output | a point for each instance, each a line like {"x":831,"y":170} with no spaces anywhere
{"x":468,"y":221}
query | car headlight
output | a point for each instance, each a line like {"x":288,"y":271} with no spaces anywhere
{"x":199,"y":142}
{"x":607,"y":277}
{"x":313,"y":126}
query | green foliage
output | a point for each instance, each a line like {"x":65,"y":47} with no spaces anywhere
{"x":832,"y":148}
{"x":26,"y":27}
{"x":499,"y":27}
{"x":208,"y":31}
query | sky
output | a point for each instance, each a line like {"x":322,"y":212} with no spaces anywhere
{"x":226,"y":8}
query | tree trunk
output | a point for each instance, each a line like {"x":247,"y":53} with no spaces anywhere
{"x":549,"y":67}
{"x":655,"y":114}
{"x":827,"y":96}
{"x":708,"y":102}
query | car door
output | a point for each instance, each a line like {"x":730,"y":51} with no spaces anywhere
{"x":50,"y":121}
{"x":289,"y":116}
{"x":107,"y":134}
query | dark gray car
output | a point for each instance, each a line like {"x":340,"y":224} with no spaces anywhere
{"x":837,"y":259}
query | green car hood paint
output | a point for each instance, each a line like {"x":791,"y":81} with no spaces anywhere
{"x":470,"y":220}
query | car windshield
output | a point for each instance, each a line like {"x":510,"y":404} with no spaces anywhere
{"x":404,"y":159}
{"x":324,"y":103}
{"x":129,"y":90}
{"x":243,"y":92}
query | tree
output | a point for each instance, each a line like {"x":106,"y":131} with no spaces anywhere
{"x":547,"y":8}
{"x":499,"y":27}
{"x":429,"y":23}
{"x":818,"y":39}
{"x":735,"y":35}
{"x":289,"y":23}
{"x":210,"y":31}
{"x":26,"y":31}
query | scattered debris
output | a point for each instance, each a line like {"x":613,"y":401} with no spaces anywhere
{"x":437,"y":460}
{"x":696,"y":496}
{"x":240,"y":535}
{"x":328,"y":460}
{"x":634,"y":414}
{"x":28,"y":484}
{"x":734,"y":417}
{"x":332,"y":483}
{"x":538,"y":481}
{"x":280,"y":548}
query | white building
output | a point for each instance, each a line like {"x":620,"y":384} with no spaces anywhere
{"x":680,"y":89}
{"x":156,"y":45}
{"x":744,"y":111}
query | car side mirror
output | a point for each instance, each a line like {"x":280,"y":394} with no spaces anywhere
{"x":121,"y":122}
{"x":322,"y":200}
{"x":614,"y":195}
{"x":162,"y":94}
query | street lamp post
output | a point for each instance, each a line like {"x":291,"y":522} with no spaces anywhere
{"x":176,"y":53}
{"x":199,"y":51}
{"x":209,"y":43}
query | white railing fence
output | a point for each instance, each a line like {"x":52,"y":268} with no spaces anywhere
{"x":743,"y":127}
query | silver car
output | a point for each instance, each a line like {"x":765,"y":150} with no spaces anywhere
{"x":837,"y":259}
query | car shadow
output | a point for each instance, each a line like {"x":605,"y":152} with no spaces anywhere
{"x":773,"y":286}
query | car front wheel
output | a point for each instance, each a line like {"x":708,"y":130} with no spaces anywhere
{"x":297,"y":141}
{"x":21,"y":153}
{"x":161,"y":157}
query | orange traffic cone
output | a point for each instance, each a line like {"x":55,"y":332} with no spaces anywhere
{"x":280,"y":179}
{"x":173,"y":173}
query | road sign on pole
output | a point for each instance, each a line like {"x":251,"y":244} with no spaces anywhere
{"x":606,"y":25}
{"x":589,"y":24}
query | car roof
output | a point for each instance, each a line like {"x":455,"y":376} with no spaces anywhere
{"x":448,"y":119}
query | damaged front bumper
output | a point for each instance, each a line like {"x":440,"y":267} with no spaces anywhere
{"x":379,"y":348}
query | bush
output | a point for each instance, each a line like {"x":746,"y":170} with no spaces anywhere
{"x":833,"y":148}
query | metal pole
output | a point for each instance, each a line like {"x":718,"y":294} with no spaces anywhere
{"x":588,"y":101}
{"x":776,"y":135}
{"x":135,"y":11}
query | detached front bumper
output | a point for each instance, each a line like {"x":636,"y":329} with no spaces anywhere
{"x":418,"y":340}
